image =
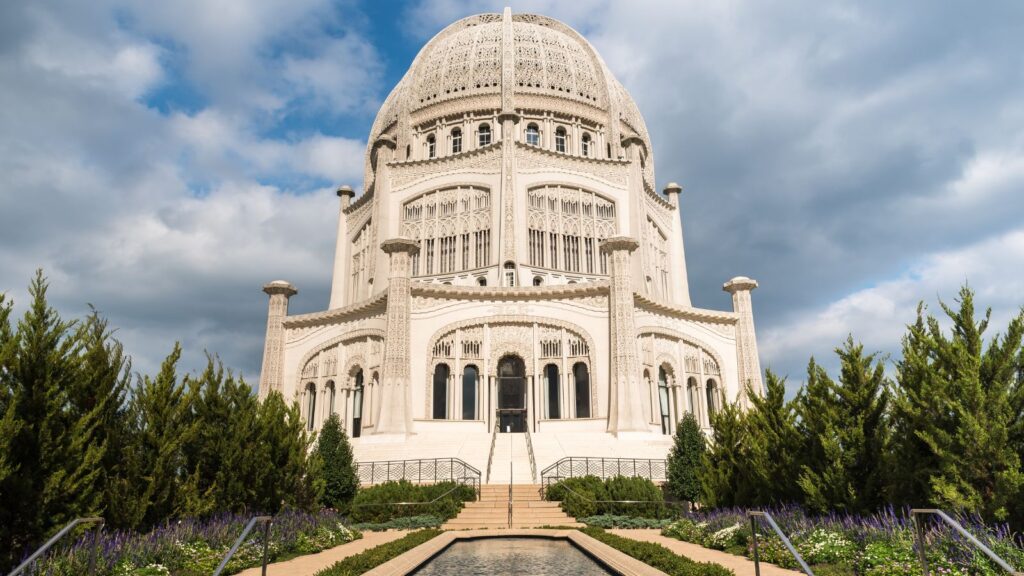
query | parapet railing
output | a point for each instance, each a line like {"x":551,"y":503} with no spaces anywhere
{"x":56,"y":537}
{"x":922,"y":542}
{"x":490,"y":456}
{"x":430,"y":470}
{"x":533,"y":459}
{"x":574,"y":466}
{"x":266,"y":521}
{"x":510,"y":477}
{"x":754,"y":515}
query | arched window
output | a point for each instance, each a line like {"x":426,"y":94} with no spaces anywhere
{"x":357,"y":406}
{"x":431,"y":146}
{"x":532,"y":135}
{"x":712,"y":397}
{"x":456,"y":141}
{"x":581,"y":375}
{"x":694,"y":395}
{"x":484,"y":134}
{"x":408,"y":151}
{"x":481,"y":281}
{"x":663,"y":401}
{"x":510,"y":274}
{"x":537,"y":281}
{"x":560,"y":140}
{"x":585,"y":145}
{"x":470,"y":376}
{"x":310,"y":405}
{"x":330,"y":397}
{"x":551,"y":385}
{"x":441,"y":373}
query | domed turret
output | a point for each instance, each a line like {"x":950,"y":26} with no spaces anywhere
{"x":510,"y":63}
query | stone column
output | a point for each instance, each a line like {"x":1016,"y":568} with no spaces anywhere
{"x":748,"y":365}
{"x":395,"y":408}
{"x":677,"y":255}
{"x":625,"y":405}
{"x":342,"y":248}
{"x":273,"y":346}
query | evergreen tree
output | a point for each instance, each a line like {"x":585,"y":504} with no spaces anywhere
{"x":161,"y":407}
{"x":722,"y":471}
{"x":52,"y":443}
{"x":338,"y":469}
{"x":844,"y":432}
{"x":286,"y":457}
{"x":684,"y":460}
{"x":953,"y":414}
{"x":770,"y":449}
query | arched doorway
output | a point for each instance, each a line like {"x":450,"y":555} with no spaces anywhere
{"x":512,"y":394}
{"x":357,"y":406}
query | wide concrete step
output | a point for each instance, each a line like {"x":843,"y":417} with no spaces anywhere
{"x":516,"y":503}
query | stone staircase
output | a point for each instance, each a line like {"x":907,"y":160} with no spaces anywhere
{"x":528,"y":510}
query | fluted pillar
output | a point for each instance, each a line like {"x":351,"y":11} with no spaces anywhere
{"x":395,"y":410}
{"x":342,"y":258}
{"x":677,"y":255}
{"x":625,"y":406}
{"x":273,"y":346}
{"x":747,"y":361}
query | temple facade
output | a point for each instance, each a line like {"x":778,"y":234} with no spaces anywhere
{"x":510,"y":266}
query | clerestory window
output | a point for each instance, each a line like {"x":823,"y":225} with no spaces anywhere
{"x":532,"y":135}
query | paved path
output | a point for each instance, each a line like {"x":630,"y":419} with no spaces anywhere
{"x":313,"y":563}
{"x":740,"y":565}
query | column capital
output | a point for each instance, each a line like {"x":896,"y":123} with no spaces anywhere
{"x":393,"y":245}
{"x":616,"y":243}
{"x":739,"y":284}
{"x":280,"y":287}
{"x":346,"y":193}
{"x":673,"y":188}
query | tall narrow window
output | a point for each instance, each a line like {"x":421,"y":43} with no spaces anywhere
{"x":456,"y":141}
{"x":310,"y":405}
{"x":585,"y":145}
{"x":712,"y":398}
{"x":469,"y":381}
{"x":510,"y":274}
{"x":484,"y":135}
{"x":551,"y":384}
{"x":441,"y":373}
{"x":554,"y":249}
{"x":357,"y":406}
{"x":430,"y":256}
{"x":431,"y":146}
{"x":465,"y":251}
{"x":582,"y":377}
{"x":663,"y":401}
{"x":532,"y":135}
{"x":330,"y":398}
{"x":691,"y":389}
{"x":560,"y":140}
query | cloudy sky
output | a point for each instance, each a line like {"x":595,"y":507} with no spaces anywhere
{"x":162,"y":160}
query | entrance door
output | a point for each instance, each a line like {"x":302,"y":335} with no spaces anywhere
{"x":512,"y":394}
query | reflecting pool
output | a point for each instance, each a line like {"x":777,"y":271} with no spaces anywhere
{"x":507,"y":556}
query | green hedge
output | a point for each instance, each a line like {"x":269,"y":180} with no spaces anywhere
{"x":403,"y":523}
{"x":377,"y":503}
{"x":369,"y":559}
{"x":658,"y":556}
{"x":614,"y":521}
{"x":582,"y":497}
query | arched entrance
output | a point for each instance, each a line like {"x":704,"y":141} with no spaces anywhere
{"x":512,"y":394}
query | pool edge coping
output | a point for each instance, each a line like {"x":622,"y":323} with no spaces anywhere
{"x":618,"y":561}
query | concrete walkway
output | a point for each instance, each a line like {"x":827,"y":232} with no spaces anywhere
{"x":313,"y":563}
{"x":740,"y":565}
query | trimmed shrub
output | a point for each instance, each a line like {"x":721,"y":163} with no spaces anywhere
{"x":657,"y":556}
{"x":380,"y":502}
{"x":370,"y":559}
{"x":589,"y":495}
{"x":613,"y":521}
{"x":404,"y":523}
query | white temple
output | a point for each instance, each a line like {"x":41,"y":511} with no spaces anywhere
{"x":512,"y":265}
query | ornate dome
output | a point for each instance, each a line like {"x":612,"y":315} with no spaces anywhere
{"x":508,"y":63}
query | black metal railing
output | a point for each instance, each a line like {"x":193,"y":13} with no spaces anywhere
{"x":425,"y":471}
{"x":574,"y":466}
{"x":754,"y":515}
{"x":533,"y":459}
{"x":490,"y":455}
{"x":56,"y":537}
{"x":266,"y":521}
{"x":922,"y":542}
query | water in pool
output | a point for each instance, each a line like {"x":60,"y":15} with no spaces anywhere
{"x":507,"y":556}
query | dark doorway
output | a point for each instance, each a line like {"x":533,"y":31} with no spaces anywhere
{"x":357,"y":406}
{"x":512,"y":394}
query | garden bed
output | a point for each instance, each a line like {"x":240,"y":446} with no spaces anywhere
{"x":877,"y":545}
{"x":370,"y":559}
